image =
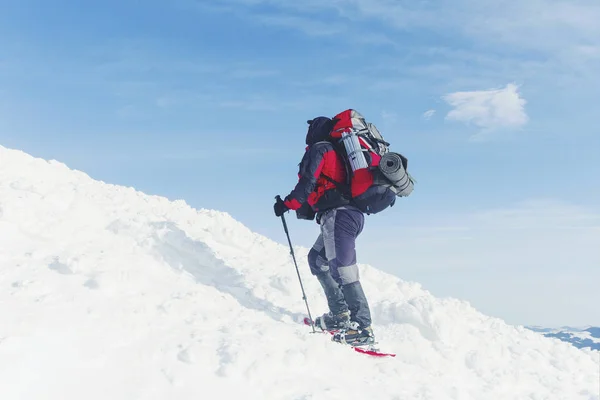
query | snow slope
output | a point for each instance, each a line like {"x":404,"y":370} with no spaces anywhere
{"x":107,"y":293}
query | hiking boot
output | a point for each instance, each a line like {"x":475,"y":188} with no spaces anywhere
{"x":354,"y":335}
{"x":330,"y":322}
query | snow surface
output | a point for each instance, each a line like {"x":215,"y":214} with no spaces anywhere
{"x":108,"y":293}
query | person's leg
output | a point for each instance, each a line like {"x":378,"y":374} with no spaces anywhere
{"x":319,"y":267}
{"x":340,"y":228}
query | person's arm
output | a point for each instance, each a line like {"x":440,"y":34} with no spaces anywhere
{"x":310,"y":170}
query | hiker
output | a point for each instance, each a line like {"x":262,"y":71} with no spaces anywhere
{"x":332,"y":258}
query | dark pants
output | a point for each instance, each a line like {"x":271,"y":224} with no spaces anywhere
{"x":332,"y":260}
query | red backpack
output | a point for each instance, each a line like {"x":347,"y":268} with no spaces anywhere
{"x":374,"y":175}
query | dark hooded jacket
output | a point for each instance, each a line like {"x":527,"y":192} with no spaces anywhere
{"x":319,"y":166}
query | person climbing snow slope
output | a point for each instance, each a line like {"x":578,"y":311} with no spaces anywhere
{"x":332,"y":258}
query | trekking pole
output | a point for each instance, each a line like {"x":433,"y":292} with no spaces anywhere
{"x":285,"y":228}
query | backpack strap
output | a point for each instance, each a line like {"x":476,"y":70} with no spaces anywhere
{"x":374,"y":139}
{"x":342,"y":187}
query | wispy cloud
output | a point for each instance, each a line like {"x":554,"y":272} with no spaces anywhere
{"x":562,"y":31}
{"x":428,"y":114}
{"x":488,"y":109}
{"x":544,"y":25}
{"x":481,"y":48}
{"x":511,"y":21}
{"x":311,"y":17}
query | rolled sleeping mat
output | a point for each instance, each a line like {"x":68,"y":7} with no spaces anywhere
{"x":392,"y":168}
{"x":354,"y":151}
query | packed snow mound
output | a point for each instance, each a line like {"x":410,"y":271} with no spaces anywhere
{"x":108,"y":293}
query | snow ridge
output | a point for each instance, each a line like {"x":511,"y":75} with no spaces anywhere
{"x":107,"y":292}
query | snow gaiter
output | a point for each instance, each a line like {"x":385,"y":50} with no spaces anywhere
{"x":357,"y":303}
{"x":335,"y":297}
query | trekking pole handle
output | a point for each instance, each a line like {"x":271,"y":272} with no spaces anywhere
{"x":285,"y":228}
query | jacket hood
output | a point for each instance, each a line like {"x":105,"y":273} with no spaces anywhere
{"x":319,"y":129}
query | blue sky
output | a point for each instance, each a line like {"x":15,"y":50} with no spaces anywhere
{"x":495,"y":106}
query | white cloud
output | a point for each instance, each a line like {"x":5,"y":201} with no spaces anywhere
{"x":428,"y":114}
{"x":488,"y":109}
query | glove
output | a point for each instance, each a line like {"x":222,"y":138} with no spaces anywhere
{"x":279,"y":207}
